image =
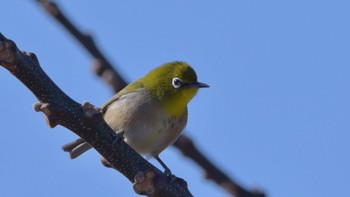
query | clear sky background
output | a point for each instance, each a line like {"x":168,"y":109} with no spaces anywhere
{"x":277,"y":114}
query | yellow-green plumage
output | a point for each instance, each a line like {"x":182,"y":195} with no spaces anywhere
{"x":152,"y":111}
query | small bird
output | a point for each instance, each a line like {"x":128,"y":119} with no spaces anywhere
{"x":150,"y":112}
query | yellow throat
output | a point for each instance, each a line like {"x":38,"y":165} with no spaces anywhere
{"x":173,"y":85}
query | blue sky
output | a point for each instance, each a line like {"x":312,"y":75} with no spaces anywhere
{"x":277,"y":114}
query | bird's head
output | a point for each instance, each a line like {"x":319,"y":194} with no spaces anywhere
{"x":174,"y":84}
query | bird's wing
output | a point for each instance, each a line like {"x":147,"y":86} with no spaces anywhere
{"x":129,"y":88}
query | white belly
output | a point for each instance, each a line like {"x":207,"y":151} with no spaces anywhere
{"x":147,"y":128}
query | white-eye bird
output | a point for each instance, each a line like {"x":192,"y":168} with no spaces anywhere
{"x":151,"y":112}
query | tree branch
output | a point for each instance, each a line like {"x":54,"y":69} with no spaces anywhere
{"x":187,"y":147}
{"x":102,"y":66}
{"x":87,"y":122}
{"x":183,"y":143}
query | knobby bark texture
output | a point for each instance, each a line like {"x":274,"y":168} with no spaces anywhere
{"x":103,"y":68}
{"x":86,"y":121}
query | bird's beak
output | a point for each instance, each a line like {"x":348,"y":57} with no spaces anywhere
{"x":198,"y":85}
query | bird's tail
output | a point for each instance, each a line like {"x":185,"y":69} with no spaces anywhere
{"x":76,"y":148}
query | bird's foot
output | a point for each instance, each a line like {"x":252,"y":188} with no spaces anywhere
{"x":167,"y":172}
{"x":169,"y":176}
{"x":119,"y":136}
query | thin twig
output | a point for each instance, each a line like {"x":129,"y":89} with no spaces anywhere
{"x":102,"y":66}
{"x":183,"y":143}
{"x":187,"y":147}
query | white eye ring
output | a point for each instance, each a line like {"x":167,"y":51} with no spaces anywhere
{"x":177,"y":83}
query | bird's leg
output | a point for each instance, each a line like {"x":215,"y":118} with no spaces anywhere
{"x":167,"y":170}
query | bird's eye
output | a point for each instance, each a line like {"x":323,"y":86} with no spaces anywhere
{"x":177,"y":83}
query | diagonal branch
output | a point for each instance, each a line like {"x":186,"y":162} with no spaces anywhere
{"x":102,"y":67}
{"x":87,"y":122}
{"x":187,"y":147}
{"x":183,"y":143}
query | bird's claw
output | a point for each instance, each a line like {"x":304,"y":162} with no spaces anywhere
{"x":119,"y":136}
{"x":169,"y":176}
